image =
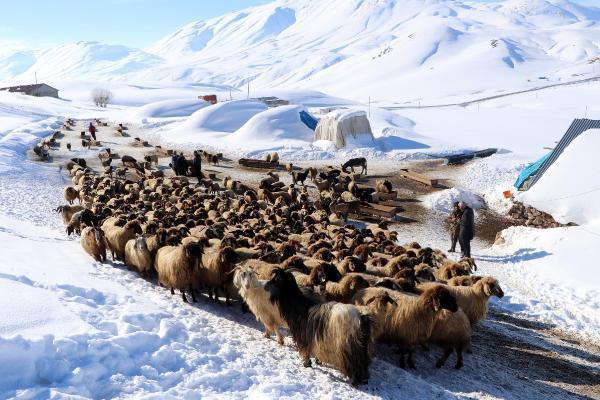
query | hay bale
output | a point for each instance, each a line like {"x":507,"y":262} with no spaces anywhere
{"x":341,"y":126}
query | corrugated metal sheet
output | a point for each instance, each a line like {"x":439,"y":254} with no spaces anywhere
{"x":577,"y":127}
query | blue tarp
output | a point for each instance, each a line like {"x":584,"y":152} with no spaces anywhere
{"x":309,"y":120}
{"x":529,"y":170}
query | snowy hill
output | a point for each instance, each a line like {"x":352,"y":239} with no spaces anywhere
{"x":387,"y":49}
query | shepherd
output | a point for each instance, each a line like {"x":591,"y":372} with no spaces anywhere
{"x":466,"y":229}
{"x":92,"y":130}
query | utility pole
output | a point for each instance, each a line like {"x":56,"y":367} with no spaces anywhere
{"x":248,"y":90}
{"x":35,"y":77}
{"x":369,"y":106}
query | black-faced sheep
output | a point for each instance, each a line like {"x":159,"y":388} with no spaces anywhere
{"x":215,"y":270}
{"x":177,"y":267}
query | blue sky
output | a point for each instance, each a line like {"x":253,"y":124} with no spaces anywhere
{"x":131,"y":22}
{"x":138,"y":23}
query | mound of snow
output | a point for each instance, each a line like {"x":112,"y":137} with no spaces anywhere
{"x":227,"y":116}
{"x":279,"y":126}
{"x":443,"y":201}
{"x":553,"y":269}
{"x":170,"y":108}
{"x":570,"y":188}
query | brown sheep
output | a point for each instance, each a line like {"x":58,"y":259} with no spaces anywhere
{"x":215,"y":270}
{"x":139,"y":256}
{"x":70,"y":194}
{"x":452,"y":332}
{"x":93,"y":242}
{"x":345,"y":289}
{"x":117,"y":237}
{"x":177,"y":267}
{"x":67,"y":212}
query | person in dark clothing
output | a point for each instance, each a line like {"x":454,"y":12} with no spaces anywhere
{"x":92,"y":130}
{"x":466,"y":229}
{"x":454,"y":222}
{"x":197,"y":165}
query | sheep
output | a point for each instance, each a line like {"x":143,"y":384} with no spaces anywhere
{"x":252,"y":291}
{"x":335,"y":333}
{"x":299,"y":177}
{"x":345,"y":289}
{"x":351,"y":264}
{"x":139,"y":256}
{"x":383,"y":186}
{"x":452,"y":332}
{"x":275,"y":158}
{"x":473,"y":300}
{"x":411,"y":322}
{"x":93,"y":242}
{"x":215,"y":269}
{"x":463,"y":280}
{"x":313,"y":173}
{"x":70,"y":194}
{"x":177,"y":266}
{"x":117,"y":237}
{"x":264,"y":270}
{"x":67,"y":212}
{"x":289,"y":167}
{"x":377,"y":308}
{"x":79,"y":220}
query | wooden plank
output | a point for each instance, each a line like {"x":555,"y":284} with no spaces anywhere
{"x":381,"y":197}
{"x":393,"y":203}
{"x":252,"y":163}
{"x":377,"y":210}
{"x":415,"y":176}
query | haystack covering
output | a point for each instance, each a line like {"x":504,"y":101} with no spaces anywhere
{"x":342,"y":126}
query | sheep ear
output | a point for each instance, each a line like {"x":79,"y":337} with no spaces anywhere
{"x":487,"y":289}
{"x":435,"y":301}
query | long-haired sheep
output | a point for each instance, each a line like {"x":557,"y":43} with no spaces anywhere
{"x":215,"y":270}
{"x":335,"y":333}
{"x":252,"y":290}
{"x":411,"y":322}
{"x":117,"y":237}
{"x":452,"y":332}
{"x":93,"y":242}
{"x":345,"y":289}
{"x":70,"y":194}
{"x":473,"y":300}
{"x":139,"y":256}
{"x":177,"y":265}
{"x":67,"y":212}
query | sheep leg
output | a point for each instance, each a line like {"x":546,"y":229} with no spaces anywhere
{"x":185,"y":300}
{"x":440,"y":363}
{"x":193,"y":295}
{"x":402,"y":363}
{"x":267,"y":333}
{"x":317,"y":361}
{"x":227,"y":299}
{"x":279,"y":337}
{"x":411,"y":362}
{"x":306,"y":359}
{"x":244,"y":307}
{"x":459,"y":358}
{"x":172,"y":291}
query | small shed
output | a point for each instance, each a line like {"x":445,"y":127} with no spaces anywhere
{"x":342,"y":126}
{"x":37,"y":90}
{"x":210,"y":98}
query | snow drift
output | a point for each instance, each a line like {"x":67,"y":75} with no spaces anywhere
{"x":170,"y":108}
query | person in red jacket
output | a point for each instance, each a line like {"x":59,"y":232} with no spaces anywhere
{"x":92,"y":130}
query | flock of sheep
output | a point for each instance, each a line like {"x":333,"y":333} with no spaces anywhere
{"x":298,"y":267}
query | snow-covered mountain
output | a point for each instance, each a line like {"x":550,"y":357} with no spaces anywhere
{"x":387,"y":49}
